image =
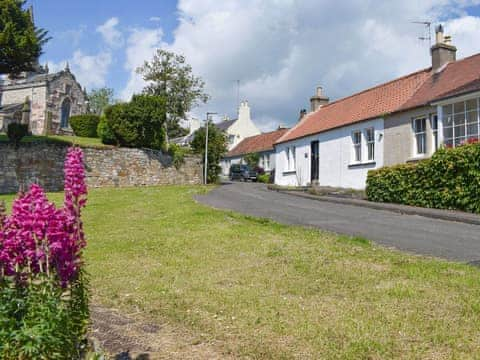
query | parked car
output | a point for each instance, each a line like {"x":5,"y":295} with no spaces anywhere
{"x":243,"y":173}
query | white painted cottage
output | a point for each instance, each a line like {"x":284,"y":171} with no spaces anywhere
{"x":404,"y":120}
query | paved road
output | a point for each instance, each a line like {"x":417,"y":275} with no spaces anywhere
{"x":447,"y":239}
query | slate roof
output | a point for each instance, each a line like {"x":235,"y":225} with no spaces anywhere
{"x":411,"y":91}
{"x":258,"y":143}
{"x":224,"y":125}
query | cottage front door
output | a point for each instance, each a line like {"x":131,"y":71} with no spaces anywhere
{"x":315,"y":161}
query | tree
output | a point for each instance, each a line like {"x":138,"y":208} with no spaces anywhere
{"x":170,"y":77}
{"x":99,"y":99}
{"x":217,"y":147}
{"x":20,"y":41}
{"x":252,"y":159}
{"x":139,"y":123}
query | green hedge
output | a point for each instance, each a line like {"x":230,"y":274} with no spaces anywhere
{"x":139,"y":123}
{"x":85,"y":125}
{"x":449,"y":180}
{"x":105,"y":133}
{"x":16,"y":132}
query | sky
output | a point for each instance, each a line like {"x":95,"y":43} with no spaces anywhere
{"x":280,"y":50}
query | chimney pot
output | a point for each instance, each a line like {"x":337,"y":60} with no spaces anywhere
{"x":443,"y":51}
{"x":318,"y":100}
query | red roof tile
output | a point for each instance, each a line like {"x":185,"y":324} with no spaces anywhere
{"x":457,"y":77}
{"x":411,"y":91}
{"x":258,"y":143}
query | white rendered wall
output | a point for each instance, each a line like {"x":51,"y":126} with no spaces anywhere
{"x":337,"y":167}
{"x":244,"y":126}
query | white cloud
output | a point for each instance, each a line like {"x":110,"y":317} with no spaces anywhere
{"x":465,"y":32}
{"x":111,"y":35}
{"x":155,"y":19}
{"x":282,"y":49}
{"x":141,"y":45}
{"x":90,"y":70}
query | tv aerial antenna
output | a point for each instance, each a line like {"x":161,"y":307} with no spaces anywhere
{"x":427,"y":37}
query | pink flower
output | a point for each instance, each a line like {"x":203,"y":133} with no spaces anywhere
{"x":39,"y":238}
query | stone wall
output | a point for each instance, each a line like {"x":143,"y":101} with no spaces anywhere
{"x":115,"y":167}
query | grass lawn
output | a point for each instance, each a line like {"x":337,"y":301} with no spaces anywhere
{"x":72,"y":140}
{"x":270,"y":291}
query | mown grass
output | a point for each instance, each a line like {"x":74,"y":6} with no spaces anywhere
{"x":62,"y":139}
{"x":270,"y":291}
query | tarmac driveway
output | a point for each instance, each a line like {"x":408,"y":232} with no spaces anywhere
{"x":447,"y":239}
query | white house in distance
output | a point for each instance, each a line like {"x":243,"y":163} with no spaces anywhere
{"x":239,"y":128}
{"x":236,"y":129}
{"x":259,"y":144}
{"x":404,"y":120}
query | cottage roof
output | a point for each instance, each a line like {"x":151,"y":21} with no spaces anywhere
{"x":224,"y":125}
{"x":411,"y":91}
{"x":258,"y":143}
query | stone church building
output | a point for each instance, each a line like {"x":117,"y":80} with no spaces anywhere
{"x":45,"y":101}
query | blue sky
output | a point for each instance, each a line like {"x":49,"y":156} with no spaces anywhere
{"x":71,"y":32}
{"x":279,"y":49}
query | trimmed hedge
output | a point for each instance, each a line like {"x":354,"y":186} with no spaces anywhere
{"x":16,"y":132}
{"x":448,"y":180}
{"x":85,"y":125}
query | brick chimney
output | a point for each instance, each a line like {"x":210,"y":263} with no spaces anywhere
{"x":443,"y":51}
{"x":303,"y":112}
{"x":318,"y":100}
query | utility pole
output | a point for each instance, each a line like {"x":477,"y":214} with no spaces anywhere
{"x":205,"y":170}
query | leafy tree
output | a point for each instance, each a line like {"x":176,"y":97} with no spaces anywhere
{"x":104,"y":132}
{"x":252,"y":159}
{"x":217,"y":148}
{"x":139,"y":123}
{"x":20,"y":41}
{"x":170,"y":77}
{"x":99,"y":99}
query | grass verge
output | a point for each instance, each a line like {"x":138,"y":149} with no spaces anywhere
{"x":271,"y":291}
{"x":60,"y":139}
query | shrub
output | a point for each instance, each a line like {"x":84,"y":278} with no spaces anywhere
{"x":252,"y":159}
{"x":217,"y":147}
{"x":260,"y":170}
{"x":264,"y":178}
{"x":43,"y":291}
{"x":16,"y":132}
{"x":177,"y":153}
{"x":139,"y":123}
{"x":104,"y":132}
{"x":85,"y":125}
{"x":449,"y":180}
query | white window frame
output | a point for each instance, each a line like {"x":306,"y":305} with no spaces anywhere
{"x":293,"y":158}
{"x":419,"y":134}
{"x":357,"y":146}
{"x":267,"y":161}
{"x":287,"y":153}
{"x":455,"y":139}
{"x":435,"y":139}
{"x":370,"y":143}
